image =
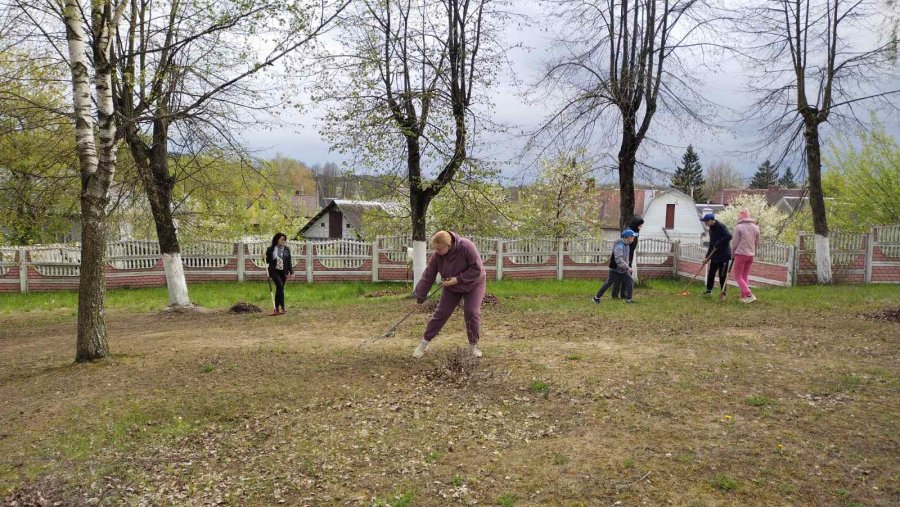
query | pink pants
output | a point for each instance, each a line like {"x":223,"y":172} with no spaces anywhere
{"x":741,"y":271}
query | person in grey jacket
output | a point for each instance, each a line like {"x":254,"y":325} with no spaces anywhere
{"x":635,"y":225}
{"x":619,"y":268}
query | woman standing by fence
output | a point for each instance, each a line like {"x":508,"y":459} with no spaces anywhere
{"x":279,"y":266}
{"x":743,"y":244}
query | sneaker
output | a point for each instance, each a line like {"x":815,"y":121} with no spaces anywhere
{"x":420,"y":350}
{"x":595,"y":299}
{"x":475,"y":351}
{"x":631,"y":301}
{"x":708,"y":293}
{"x":750,"y":299}
{"x":744,"y":300}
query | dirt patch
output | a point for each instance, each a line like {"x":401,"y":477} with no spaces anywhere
{"x":459,"y":368}
{"x":38,"y":494}
{"x":185,"y":311}
{"x":888,"y":315}
{"x":388,"y":292}
{"x":244,"y":307}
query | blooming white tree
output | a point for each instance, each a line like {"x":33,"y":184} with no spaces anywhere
{"x":769,"y":218}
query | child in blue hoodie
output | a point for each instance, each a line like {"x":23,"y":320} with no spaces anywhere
{"x":619,"y":268}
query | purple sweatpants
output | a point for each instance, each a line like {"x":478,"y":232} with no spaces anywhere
{"x":471,"y":312}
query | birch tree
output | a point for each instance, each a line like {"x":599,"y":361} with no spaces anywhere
{"x":403,"y":85}
{"x":816,"y":65}
{"x":97,"y":139}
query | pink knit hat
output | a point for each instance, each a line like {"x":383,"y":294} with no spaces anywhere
{"x":743,"y":214}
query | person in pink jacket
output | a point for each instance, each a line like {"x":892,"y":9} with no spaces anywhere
{"x":743,"y":244}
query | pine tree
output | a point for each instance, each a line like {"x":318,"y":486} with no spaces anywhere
{"x":688,"y":176}
{"x":787,"y":179}
{"x":766,"y":176}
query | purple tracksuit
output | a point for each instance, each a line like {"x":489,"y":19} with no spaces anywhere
{"x":463,"y":262}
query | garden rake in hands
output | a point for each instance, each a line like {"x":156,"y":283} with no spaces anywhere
{"x":723,"y":295}
{"x":393,"y":329}
{"x":684,"y":291}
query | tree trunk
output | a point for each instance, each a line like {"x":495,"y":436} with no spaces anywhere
{"x":627,"y":161}
{"x":418,"y":207}
{"x":418,"y":211}
{"x":153,"y":167}
{"x":817,"y":201}
{"x":92,"y":344}
{"x":97,"y":165}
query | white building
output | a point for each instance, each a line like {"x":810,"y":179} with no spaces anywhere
{"x":671,"y":214}
{"x":343,"y":219}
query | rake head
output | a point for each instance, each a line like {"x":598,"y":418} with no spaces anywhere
{"x":684,"y":293}
{"x":722,"y":296}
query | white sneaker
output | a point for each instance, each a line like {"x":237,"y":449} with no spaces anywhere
{"x":420,"y":350}
{"x":744,"y":300}
{"x":750,"y":299}
{"x":475,"y":351}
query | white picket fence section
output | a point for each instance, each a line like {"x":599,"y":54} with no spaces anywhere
{"x":62,"y":260}
{"x":349,"y":259}
{"x":9,"y":257}
{"x":529,"y":251}
{"x":342,"y":253}
{"x":646,"y":248}
{"x":487,"y":247}
{"x":133,"y":254}
{"x":887,"y":238}
{"x":589,"y":250}
{"x":774,"y":253}
{"x":394,"y":247}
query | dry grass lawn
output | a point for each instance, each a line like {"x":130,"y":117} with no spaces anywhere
{"x":794,"y":400}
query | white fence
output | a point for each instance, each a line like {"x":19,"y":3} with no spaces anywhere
{"x":386,"y":258}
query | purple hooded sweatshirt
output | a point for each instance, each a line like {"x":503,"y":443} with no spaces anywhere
{"x":463,"y":262}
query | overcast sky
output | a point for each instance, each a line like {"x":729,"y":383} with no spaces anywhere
{"x":724,"y":83}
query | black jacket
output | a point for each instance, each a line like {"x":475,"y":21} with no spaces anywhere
{"x":719,"y":239}
{"x":635,"y":222}
{"x":286,"y":257}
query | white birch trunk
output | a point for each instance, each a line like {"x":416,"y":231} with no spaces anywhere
{"x":175,"y":280}
{"x":419,"y":260}
{"x":823,"y":259}
{"x":97,"y":162}
{"x":81,"y":88}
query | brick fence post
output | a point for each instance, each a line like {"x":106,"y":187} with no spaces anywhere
{"x":676,"y":252}
{"x":499,"y":260}
{"x":559,"y":259}
{"x":309,"y":262}
{"x":23,"y":270}
{"x":375,"y":260}
{"x":870,"y":252}
{"x":792,"y":267}
{"x":240,"y":260}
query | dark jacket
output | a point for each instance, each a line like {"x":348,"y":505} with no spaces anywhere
{"x":461,"y":261}
{"x":635,"y":222}
{"x":286,"y":257}
{"x":720,"y":240}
